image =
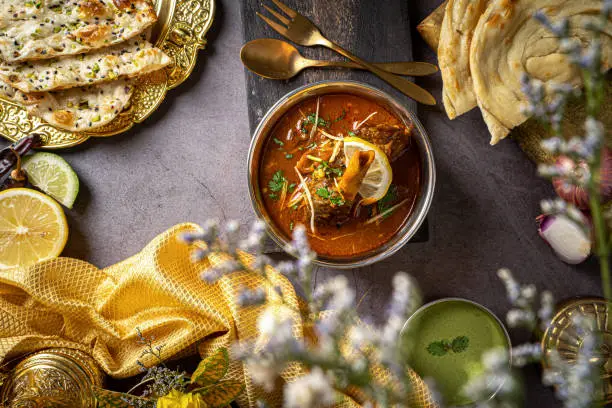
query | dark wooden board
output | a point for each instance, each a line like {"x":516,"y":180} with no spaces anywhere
{"x":374,"y":30}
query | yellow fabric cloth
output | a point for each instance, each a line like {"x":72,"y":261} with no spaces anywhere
{"x":70,"y":303}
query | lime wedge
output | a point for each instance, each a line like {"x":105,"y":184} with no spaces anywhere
{"x":53,"y":175}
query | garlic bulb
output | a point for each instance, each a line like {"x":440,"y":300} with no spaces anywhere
{"x":569,"y":192}
{"x":578,"y":195}
{"x":569,"y":241}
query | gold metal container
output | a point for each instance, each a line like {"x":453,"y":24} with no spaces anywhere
{"x":563,"y":337}
{"x":52,"y":378}
{"x":428,"y":169}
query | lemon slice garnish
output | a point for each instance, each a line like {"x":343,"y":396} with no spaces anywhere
{"x":33,"y":228}
{"x":378,"y":178}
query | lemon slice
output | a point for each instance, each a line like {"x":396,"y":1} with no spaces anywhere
{"x":53,"y":175}
{"x":379,"y":176}
{"x":33,"y":228}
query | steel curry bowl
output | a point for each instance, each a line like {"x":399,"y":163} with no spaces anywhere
{"x":285,"y":111}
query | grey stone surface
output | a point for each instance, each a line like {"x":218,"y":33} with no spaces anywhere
{"x":188,"y":163}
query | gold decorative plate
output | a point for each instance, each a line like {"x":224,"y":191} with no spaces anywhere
{"x":179,"y":31}
{"x":562,"y":336}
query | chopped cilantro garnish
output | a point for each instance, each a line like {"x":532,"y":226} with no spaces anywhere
{"x":460,"y":344}
{"x":288,"y":156}
{"x":442,"y":347}
{"x":291,"y":187}
{"x":351,"y":133}
{"x":278,"y":142}
{"x":342,"y":116}
{"x":310,"y":120}
{"x":437,"y":348}
{"x":273,"y":196}
{"x":387,"y":201}
{"x":277,"y":182}
{"x":338,"y":201}
{"x":323,"y":193}
{"x":294,"y":207}
{"x":334,"y":170}
{"x":291,"y":226}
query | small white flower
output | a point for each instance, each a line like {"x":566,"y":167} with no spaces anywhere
{"x":520,"y":318}
{"x":335,"y":294}
{"x":255,"y":239}
{"x":263,"y":372}
{"x":311,"y":390}
{"x":275,"y":322}
{"x":495,"y":359}
{"x":525,"y":354}
{"x":360,"y":336}
{"x":547,"y":309}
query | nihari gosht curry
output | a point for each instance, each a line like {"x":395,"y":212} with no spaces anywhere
{"x":343,"y":166}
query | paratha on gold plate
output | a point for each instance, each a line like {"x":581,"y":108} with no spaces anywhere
{"x":75,"y":109}
{"x":40,"y":29}
{"x":79,"y":109}
{"x":460,"y":20}
{"x":132,"y":58}
{"x":508,"y":42}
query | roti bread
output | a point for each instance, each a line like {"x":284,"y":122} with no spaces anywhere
{"x":460,"y":20}
{"x":508,"y":43}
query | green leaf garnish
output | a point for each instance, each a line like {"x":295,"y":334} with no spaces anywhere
{"x":387,"y":201}
{"x":338,"y":201}
{"x":443,"y":347}
{"x":310,"y":120}
{"x":278,"y":142}
{"x":460,"y":344}
{"x":323,"y":193}
{"x":342,"y":116}
{"x":277,"y":182}
{"x":437,"y":348}
{"x":351,"y":133}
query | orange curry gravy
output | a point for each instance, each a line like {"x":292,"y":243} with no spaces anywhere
{"x":291,"y":139}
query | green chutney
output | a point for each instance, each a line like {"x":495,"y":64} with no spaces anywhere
{"x":446,"y":340}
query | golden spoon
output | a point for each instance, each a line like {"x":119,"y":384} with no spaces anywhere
{"x":277,"y":59}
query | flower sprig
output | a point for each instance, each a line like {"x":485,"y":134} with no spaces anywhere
{"x":346,"y":351}
{"x":577,"y":383}
{"x":582,"y":155}
{"x":158,"y":380}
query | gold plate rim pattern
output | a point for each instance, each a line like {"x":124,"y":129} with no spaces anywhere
{"x":180,"y":32}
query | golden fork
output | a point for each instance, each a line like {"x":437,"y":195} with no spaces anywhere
{"x":302,"y":31}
